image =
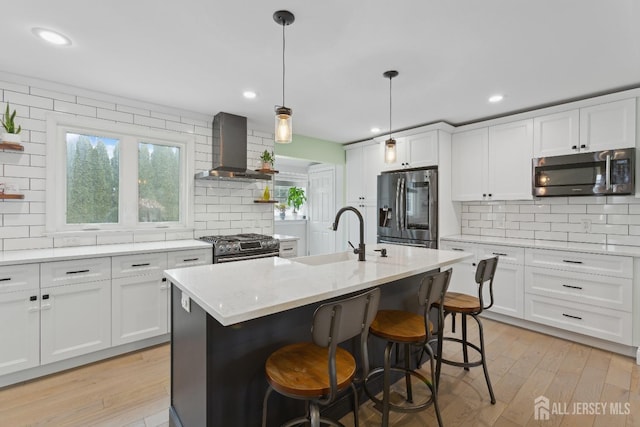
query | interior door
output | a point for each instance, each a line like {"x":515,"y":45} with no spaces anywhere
{"x":322,"y":209}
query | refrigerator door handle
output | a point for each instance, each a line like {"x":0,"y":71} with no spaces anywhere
{"x":403,"y":204}
{"x":398,"y":203}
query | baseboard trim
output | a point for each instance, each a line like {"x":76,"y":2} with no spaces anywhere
{"x":62,"y":365}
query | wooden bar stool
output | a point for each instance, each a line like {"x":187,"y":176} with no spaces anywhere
{"x":317,"y":371}
{"x":468,"y":305}
{"x":410,"y":329}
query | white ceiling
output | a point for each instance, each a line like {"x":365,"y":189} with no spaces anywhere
{"x":452,"y":55}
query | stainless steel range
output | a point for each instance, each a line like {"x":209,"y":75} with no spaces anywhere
{"x":239,"y":247}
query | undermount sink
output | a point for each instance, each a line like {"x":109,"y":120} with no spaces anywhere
{"x":327,"y":258}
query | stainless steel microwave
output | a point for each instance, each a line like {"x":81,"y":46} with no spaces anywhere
{"x":585,"y":174}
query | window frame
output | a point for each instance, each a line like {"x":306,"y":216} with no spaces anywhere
{"x":130,"y":136}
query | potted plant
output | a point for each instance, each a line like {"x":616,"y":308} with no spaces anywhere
{"x":11,"y":134}
{"x":282,"y":208}
{"x":267,"y":158}
{"x":296,"y":198}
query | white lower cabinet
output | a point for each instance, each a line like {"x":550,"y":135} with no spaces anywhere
{"x":139,"y":308}
{"x":590,"y":294}
{"x":508,"y":283}
{"x":139,"y":297}
{"x":74,"y":320}
{"x":19,"y":330}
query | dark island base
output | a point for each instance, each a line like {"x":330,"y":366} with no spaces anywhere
{"x":217,"y":372}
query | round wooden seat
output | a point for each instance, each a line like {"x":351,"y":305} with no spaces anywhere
{"x":301,"y":369}
{"x":399,"y":326}
{"x":461,"y":303}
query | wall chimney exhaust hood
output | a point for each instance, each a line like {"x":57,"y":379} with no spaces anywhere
{"x":230,"y":150}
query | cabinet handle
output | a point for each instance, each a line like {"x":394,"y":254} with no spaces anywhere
{"x":490,"y":195}
{"x":5,"y":279}
{"x":473,"y":264}
{"x":499,"y":254}
{"x":33,"y":298}
{"x":45,"y":296}
{"x":190,"y":259}
{"x":457,"y":249}
{"x":572,"y":317}
{"x":484,"y":195}
{"x":287,"y":249}
{"x":78,"y":271}
{"x":574,"y":147}
{"x":572,"y":287}
{"x":164,"y":279}
{"x":583,"y":146}
{"x":571,"y":262}
{"x":144,"y":264}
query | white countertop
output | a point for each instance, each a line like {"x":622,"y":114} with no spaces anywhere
{"x":59,"y":254}
{"x":233,"y":292}
{"x":549,"y":244}
{"x":285,"y":238}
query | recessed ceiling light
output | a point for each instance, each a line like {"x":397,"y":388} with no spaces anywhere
{"x":375,"y":130}
{"x":496,"y":98}
{"x":249,"y":94}
{"x":52,"y":37}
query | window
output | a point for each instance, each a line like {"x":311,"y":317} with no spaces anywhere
{"x":116,"y":177}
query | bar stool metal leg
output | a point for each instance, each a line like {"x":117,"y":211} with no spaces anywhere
{"x":465,"y":352}
{"x":484,"y":360}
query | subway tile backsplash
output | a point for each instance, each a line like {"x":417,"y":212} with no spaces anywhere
{"x":220,"y":207}
{"x":602,"y":220}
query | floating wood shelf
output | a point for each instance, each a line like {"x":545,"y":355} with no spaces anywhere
{"x":267,"y":171}
{"x":264,"y":201}
{"x":11,"y":196}
{"x":11,"y":146}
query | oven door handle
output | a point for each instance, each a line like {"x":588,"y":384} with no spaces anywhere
{"x":246,"y":257}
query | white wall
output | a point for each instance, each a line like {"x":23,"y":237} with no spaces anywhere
{"x":221,"y":207}
{"x":603,"y":220}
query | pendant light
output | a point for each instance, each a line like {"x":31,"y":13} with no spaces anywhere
{"x":284,"y":131}
{"x":390,"y":144}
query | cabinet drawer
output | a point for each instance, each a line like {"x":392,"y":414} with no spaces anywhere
{"x":608,"y":265}
{"x":75,"y":271}
{"x":288,"y":249}
{"x":506,"y":254}
{"x":139,"y":264}
{"x":19,"y":277}
{"x":602,"y":291}
{"x":461,"y":247}
{"x":598,"y":322}
{"x":188,"y":258}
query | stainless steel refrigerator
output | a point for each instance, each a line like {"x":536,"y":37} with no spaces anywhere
{"x":408,"y":207}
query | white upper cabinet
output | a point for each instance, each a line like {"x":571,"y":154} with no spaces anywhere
{"x":556,"y":134}
{"x":605,"y":126}
{"x":510,"y":153}
{"x":608,"y":126}
{"x":364,"y":163}
{"x":415,"y":151}
{"x":492,"y":163}
{"x":469,"y":163}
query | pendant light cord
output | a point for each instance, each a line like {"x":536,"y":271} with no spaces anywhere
{"x":283,"y":65}
{"x":390,"y":105}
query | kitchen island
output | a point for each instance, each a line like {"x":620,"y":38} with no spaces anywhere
{"x":228,"y":318}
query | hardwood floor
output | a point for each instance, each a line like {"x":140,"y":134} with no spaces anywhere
{"x":133,"y":390}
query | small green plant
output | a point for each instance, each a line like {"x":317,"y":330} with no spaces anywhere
{"x":267,"y":157}
{"x":296,"y":198}
{"x":8,"y":122}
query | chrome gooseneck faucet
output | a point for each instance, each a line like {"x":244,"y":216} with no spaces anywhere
{"x":360,"y":250}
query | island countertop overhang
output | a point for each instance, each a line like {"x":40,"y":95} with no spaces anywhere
{"x":237,"y":292}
